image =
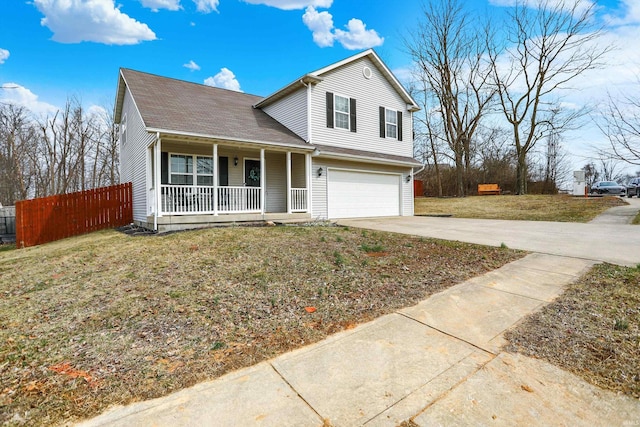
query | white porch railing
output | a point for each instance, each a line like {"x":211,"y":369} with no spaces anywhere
{"x":298,"y":200}
{"x":238,"y":199}
{"x":198,"y":199}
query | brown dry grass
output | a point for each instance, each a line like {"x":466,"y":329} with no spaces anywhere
{"x":107,"y":319}
{"x":560,"y":208}
{"x":592,"y":330}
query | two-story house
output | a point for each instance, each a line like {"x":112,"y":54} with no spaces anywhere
{"x":335,"y":143}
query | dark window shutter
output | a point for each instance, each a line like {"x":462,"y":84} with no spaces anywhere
{"x":352,"y":113}
{"x":399,"y":125}
{"x":223,"y":171}
{"x":329,"y":109}
{"x":164,"y":167}
{"x":383,"y":124}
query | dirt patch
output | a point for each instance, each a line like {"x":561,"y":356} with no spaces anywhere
{"x":592,"y":330}
{"x":107,"y":318}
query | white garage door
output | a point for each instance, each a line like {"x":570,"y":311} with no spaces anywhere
{"x":362,"y":194}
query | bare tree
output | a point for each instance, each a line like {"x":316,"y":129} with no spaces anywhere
{"x":428,"y":132}
{"x":610,"y":167}
{"x":495,"y":156}
{"x":548,"y":43}
{"x":620,"y":123}
{"x":71,"y":150}
{"x":450,"y":60}
{"x":17,"y":143}
{"x":107,"y":152}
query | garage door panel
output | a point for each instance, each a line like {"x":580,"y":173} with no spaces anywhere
{"x":362,"y":194}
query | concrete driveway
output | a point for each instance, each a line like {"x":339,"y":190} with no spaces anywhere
{"x":607,"y":238}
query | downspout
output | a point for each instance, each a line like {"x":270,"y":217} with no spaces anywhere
{"x":308,"y":161}
{"x":308,"y":86}
{"x":155,"y":184}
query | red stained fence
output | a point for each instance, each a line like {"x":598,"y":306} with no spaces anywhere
{"x":56,"y":217}
{"x":418,"y":189}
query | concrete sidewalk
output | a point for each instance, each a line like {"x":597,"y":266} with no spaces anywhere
{"x":437,"y":363}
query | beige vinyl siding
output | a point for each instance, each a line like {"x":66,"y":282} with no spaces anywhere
{"x":298,"y":170}
{"x":291,"y":111}
{"x":276,"y":182}
{"x":319,"y":184}
{"x":370,"y":94}
{"x":134,"y":157}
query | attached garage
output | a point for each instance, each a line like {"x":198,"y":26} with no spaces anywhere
{"x":352,"y":194}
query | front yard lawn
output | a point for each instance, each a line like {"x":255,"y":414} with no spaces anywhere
{"x":107,"y":319}
{"x":560,"y":208}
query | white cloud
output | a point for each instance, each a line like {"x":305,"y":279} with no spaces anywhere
{"x":292,"y":4}
{"x":629,"y":13}
{"x":404,"y":74}
{"x":4,"y":55}
{"x":74,"y":21}
{"x":207,"y":6}
{"x":192,"y":66}
{"x":321,"y":25}
{"x":155,"y":5}
{"x":12,"y":93}
{"x":224,"y":79}
{"x":357,"y":36}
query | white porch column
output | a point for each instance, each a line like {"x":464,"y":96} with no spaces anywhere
{"x":157,"y":173}
{"x":216,"y":173}
{"x":307,"y":177}
{"x":263,"y":184}
{"x":288,"y":182}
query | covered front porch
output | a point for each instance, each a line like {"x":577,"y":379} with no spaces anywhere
{"x":194,"y":183}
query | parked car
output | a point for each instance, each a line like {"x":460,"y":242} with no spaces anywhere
{"x":610,"y":188}
{"x":633,"y":187}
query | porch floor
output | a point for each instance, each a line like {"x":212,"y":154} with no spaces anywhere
{"x":188,"y":222}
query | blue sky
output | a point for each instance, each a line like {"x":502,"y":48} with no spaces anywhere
{"x":265,"y":47}
{"x":53,"y":49}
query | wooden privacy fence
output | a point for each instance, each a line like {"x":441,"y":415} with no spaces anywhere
{"x":56,"y":217}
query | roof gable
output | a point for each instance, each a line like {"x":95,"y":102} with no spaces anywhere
{"x":316,"y":76}
{"x":176,"y":106}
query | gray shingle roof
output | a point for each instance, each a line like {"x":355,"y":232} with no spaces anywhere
{"x":190,"y":108}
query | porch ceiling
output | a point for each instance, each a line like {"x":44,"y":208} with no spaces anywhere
{"x":186,"y":139}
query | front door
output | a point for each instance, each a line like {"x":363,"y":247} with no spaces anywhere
{"x":252,"y":173}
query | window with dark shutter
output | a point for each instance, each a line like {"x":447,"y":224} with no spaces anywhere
{"x":329,"y":109}
{"x":383,"y":123}
{"x":399,"y":125}
{"x":352,"y":113}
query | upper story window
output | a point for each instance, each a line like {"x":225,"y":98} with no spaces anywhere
{"x":341,"y":112}
{"x":123,"y":130}
{"x":391,"y":119}
{"x":390,"y":123}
